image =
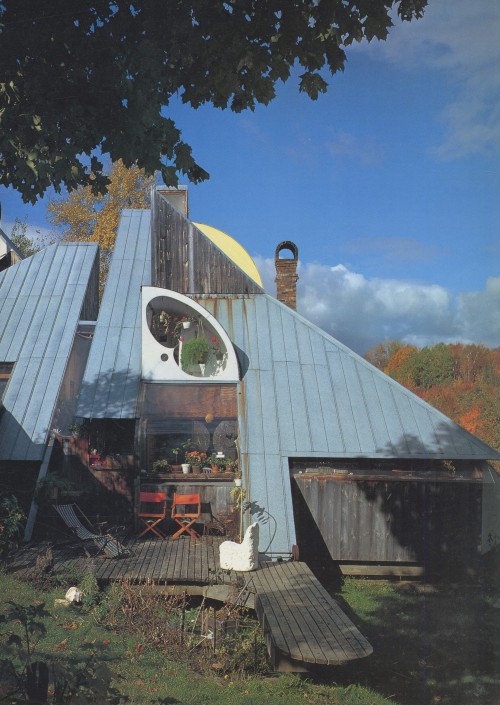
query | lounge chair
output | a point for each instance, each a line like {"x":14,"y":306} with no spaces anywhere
{"x":82,"y":528}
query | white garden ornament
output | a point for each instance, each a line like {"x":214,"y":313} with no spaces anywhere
{"x":242,"y":556}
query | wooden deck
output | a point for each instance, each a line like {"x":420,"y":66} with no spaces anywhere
{"x":302,"y":623}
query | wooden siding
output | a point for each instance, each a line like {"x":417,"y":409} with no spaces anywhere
{"x":185,"y":260}
{"x":388,"y":521}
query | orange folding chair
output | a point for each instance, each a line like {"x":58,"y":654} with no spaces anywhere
{"x":152,"y":510}
{"x":186,"y":509}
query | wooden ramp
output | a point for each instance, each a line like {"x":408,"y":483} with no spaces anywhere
{"x":302,"y":623}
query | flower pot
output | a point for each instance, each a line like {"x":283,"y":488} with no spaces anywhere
{"x":196,"y":469}
{"x":186,"y":468}
{"x":176,"y":468}
{"x":186,"y":324}
{"x":215,"y":468}
{"x":237,"y":481}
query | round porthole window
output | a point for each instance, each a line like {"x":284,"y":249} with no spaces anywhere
{"x":164,"y":357}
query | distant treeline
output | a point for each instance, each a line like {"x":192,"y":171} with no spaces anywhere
{"x":462,"y":381}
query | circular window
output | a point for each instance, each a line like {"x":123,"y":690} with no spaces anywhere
{"x":164,"y":357}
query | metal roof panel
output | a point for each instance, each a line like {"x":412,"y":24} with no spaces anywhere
{"x":40,"y":304}
{"x":111,"y":380}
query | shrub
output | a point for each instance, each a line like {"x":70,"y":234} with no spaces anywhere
{"x":11,"y":518}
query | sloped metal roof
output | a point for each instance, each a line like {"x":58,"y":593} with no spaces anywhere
{"x":40,"y":303}
{"x":307,"y":394}
{"x":111,"y":381}
{"x":302,"y":394}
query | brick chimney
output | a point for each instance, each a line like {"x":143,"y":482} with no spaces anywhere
{"x":286,"y":274}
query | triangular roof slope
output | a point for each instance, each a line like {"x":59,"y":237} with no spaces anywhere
{"x":308,"y":395}
{"x":304,"y":393}
{"x":41,"y":301}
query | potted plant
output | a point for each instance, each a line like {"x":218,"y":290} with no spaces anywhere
{"x":215,"y":462}
{"x":161,"y":465}
{"x":196,"y":459}
{"x":185,"y":323}
{"x":194,"y":352}
{"x":237,"y":478}
{"x":176,"y":467}
{"x":232,"y":466}
{"x":217,"y":348}
{"x":76,"y":429}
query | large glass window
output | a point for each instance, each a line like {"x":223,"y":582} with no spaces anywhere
{"x":177,"y":418}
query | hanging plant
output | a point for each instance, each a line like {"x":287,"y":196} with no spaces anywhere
{"x":194,"y":352}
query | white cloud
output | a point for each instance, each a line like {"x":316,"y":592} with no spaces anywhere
{"x":362,"y":312}
{"x":460,"y":39}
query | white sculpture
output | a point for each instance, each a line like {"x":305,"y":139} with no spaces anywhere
{"x":242,"y":556}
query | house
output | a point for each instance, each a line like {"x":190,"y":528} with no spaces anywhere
{"x":336,"y":457}
{"x":9,"y":254}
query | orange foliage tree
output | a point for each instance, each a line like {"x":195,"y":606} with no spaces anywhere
{"x":462,"y":381}
{"x":83,"y":217}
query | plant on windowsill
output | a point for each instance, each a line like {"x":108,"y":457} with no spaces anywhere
{"x":215,"y":462}
{"x":194,"y":352}
{"x":232,"y":466}
{"x":176,"y":466}
{"x":160,"y":466}
{"x":197,"y":460}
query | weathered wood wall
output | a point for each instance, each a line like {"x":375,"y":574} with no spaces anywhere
{"x":384,"y":521}
{"x":185,"y":260}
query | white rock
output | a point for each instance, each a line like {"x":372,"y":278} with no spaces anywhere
{"x":74,"y":595}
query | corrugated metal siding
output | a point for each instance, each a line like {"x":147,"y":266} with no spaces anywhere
{"x":41,"y":299}
{"x":112,"y":377}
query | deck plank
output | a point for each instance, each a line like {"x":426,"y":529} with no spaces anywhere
{"x":302,"y":622}
{"x":313,"y":628}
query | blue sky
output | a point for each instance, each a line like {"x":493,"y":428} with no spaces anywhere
{"x":389,"y":184}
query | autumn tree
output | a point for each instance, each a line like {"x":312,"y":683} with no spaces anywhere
{"x":401,"y":365}
{"x":380,"y":354}
{"x":83,"y":217}
{"x":462,"y":381}
{"x":79,"y":79}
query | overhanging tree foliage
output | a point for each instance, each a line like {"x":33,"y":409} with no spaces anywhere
{"x":85,"y":77}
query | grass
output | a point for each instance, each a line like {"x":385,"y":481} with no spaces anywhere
{"x":431,"y":647}
{"x":117,"y":667}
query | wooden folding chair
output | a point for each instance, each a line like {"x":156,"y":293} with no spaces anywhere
{"x":186,"y":509}
{"x":152,"y":511}
{"x":81,"y":527}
